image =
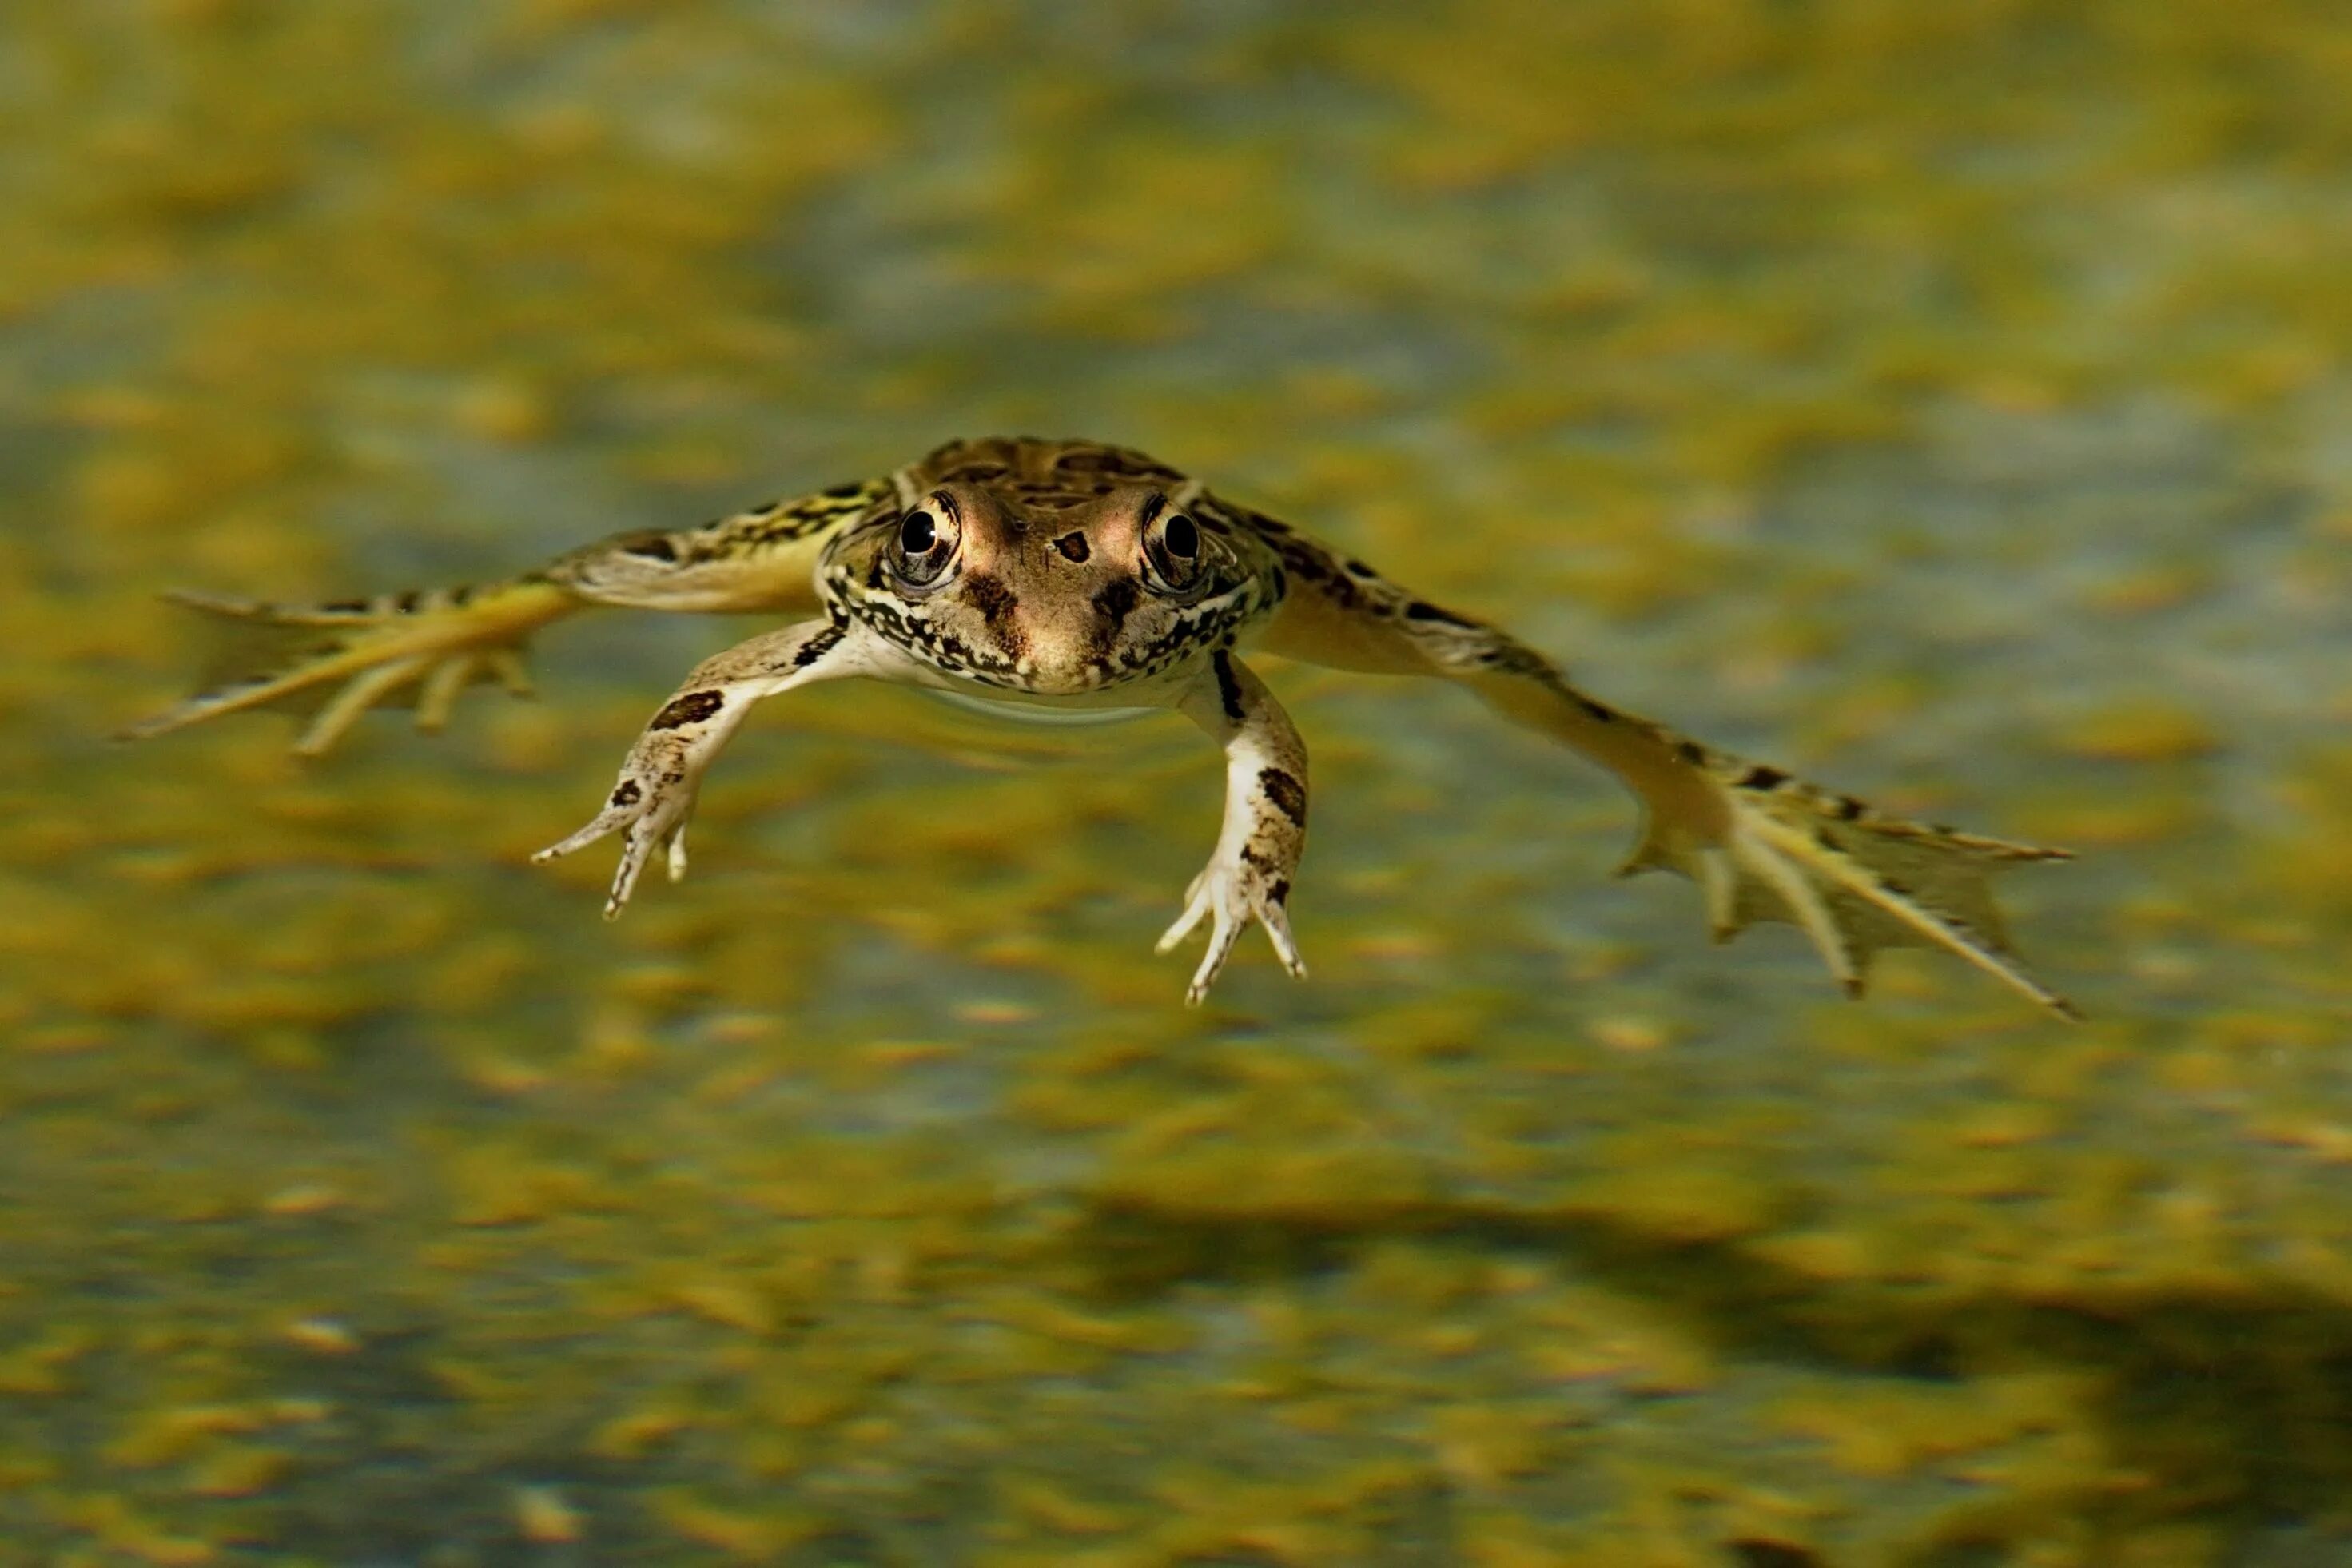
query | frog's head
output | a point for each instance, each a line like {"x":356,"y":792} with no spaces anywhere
{"x":1054,"y":594}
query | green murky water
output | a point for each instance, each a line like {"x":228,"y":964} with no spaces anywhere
{"x":1950,"y":401}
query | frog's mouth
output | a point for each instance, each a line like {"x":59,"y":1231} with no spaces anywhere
{"x":1026,"y":710}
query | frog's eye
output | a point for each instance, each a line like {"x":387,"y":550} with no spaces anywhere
{"x":1171,"y":552}
{"x":925,"y":543}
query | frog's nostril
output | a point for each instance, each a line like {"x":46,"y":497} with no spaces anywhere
{"x":1072,"y":546}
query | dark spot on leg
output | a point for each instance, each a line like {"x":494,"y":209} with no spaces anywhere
{"x":691,"y":709}
{"x":406,"y":603}
{"x":460,"y":596}
{"x":1762,"y":777}
{"x":1289,"y":796}
{"x":1229,"y":689}
{"x":653,"y":548}
{"x":1422,"y":610}
{"x":846,"y":492}
{"x":1597,"y":712}
{"x":1691,"y":752}
{"x":816,"y":648}
{"x":1072,"y":546}
{"x":1850,"y":810}
{"x":346,"y":606}
{"x":628,"y":793}
{"x":1360,"y":570}
{"x":1280,"y":892}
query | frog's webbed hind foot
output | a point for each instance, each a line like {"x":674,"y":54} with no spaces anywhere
{"x":1852,"y":880}
{"x":333,"y":662}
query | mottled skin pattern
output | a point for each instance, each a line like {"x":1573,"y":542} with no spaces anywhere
{"x":1071,"y":573}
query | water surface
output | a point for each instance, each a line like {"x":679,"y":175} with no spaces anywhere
{"x":1950,"y":402}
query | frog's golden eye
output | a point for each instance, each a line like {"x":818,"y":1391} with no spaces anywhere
{"x":1172,"y":553}
{"x":926,"y":542}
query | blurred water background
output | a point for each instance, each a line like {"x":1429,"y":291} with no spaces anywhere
{"x":1949,"y":401}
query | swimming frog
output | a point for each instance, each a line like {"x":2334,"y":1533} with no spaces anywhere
{"x":1072,"y":575}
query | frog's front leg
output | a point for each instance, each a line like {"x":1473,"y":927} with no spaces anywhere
{"x":1248,"y":876}
{"x":655,"y":793}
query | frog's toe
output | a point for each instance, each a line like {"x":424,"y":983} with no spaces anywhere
{"x":644,"y":837}
{"x":1196,"y":904}
{"x":1276,"y":922}
{"x":436,"y":695}
{"x":603,"y":822}
{"x":1224,"y":930}
{"x":356,"y":696}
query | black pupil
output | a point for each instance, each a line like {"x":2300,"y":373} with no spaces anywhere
{"x":918,"y":534}
{"x":1181,"y":538}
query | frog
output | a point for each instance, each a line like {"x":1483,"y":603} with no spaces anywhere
{"x":1036,"y":576}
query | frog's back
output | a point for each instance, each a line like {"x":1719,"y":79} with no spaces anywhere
{"x":1034,"y":471}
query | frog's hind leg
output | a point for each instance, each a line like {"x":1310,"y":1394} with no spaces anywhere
{"x":1761,"y":843}
{"x":335,"y":661}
